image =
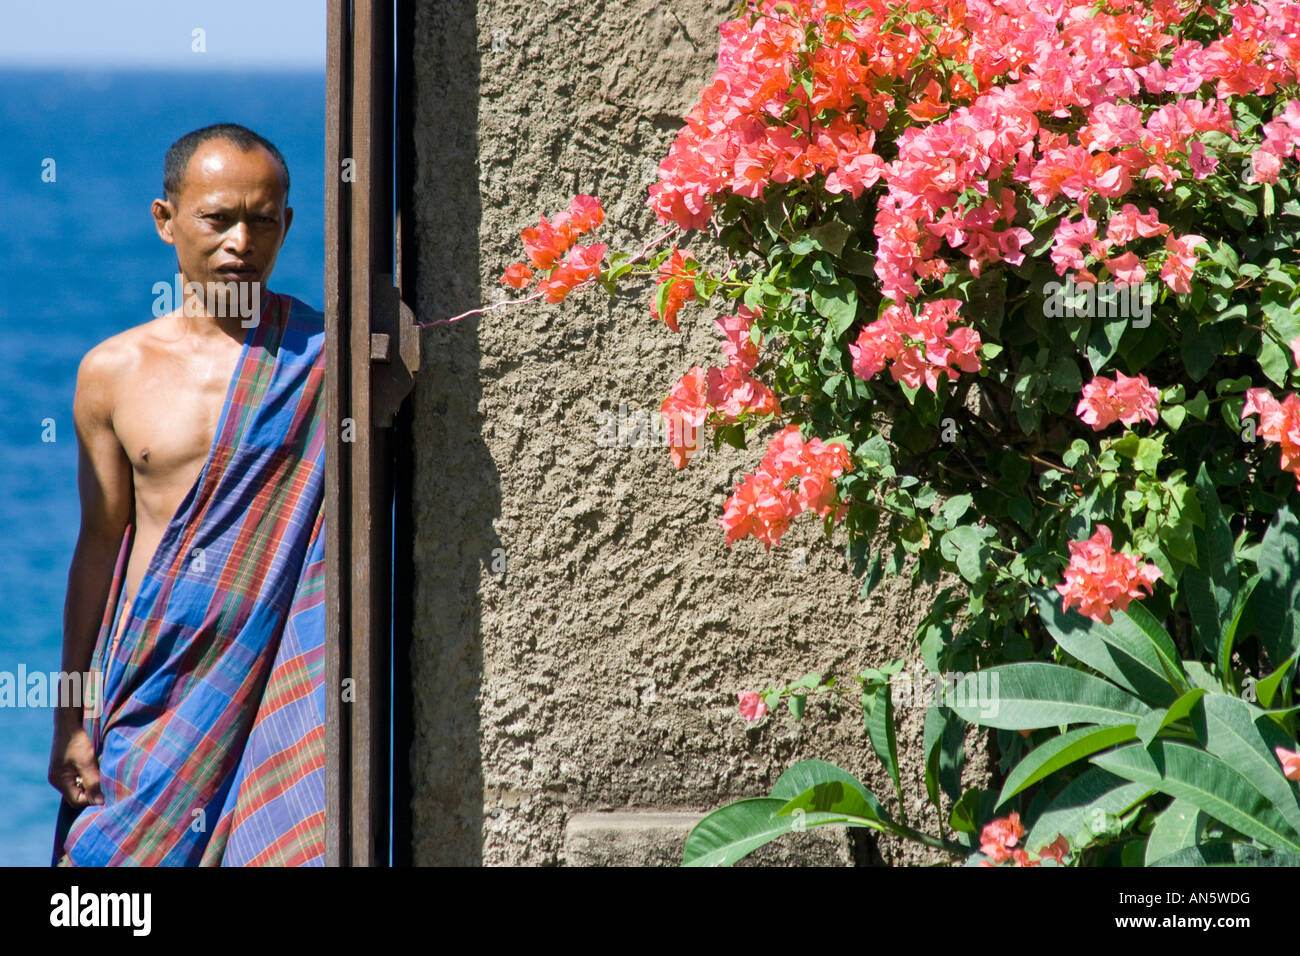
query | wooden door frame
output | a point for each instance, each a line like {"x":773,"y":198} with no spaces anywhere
{"x":372,"y":355}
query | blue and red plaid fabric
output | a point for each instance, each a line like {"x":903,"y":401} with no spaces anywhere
{"x":210,"y":735}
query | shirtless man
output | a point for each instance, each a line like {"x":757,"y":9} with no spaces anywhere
{"x":148,"y":400}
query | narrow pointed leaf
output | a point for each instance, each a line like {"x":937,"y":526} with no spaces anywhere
{"x":1030,"y":695}
{"x":1061,"y":751}
{"x":1191,"y":774}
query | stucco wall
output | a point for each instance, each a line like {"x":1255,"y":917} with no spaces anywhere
{"x":600,"y":671}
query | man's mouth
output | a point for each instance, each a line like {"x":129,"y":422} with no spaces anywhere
{"x":239,"y":273}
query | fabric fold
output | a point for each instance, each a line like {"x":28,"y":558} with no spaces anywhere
{"x":210,"y":733}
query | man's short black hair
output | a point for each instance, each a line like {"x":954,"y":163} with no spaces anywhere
{"x":182,"y":151}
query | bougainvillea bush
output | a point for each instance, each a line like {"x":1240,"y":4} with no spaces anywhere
{"x":1011,"y":291}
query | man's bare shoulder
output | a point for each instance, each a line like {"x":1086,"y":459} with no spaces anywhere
{"x":104,"y":365}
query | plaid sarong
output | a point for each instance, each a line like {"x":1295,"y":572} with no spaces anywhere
{"x":210,"y":736}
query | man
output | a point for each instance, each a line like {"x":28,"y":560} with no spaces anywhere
{"x":196,"y":587}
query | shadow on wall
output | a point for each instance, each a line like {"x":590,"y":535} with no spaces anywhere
{"x":457,"y":488}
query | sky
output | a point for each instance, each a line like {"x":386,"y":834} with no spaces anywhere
{"x":161,"y":34}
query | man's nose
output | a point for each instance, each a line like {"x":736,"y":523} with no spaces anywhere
{"x":237,"y":238}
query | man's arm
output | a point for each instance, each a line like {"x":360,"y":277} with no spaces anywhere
{"x":107,"y":497}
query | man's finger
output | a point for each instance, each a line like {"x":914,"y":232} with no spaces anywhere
{"x":90,"y":785}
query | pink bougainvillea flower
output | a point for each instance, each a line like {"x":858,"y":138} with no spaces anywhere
{"x":1100,"y":579}
{"x":1128,"y":224}
{"x":1127,"y":399}
{"x":752,"y":706}
{"x":1290,"y":760}
{"x":684,"y":411}
{"x":760,"y":506}
{"x":1055,"y":850}
{"x":517,"y":275}
{"x":1279,"y":423}
{"x":673,"y":270}
{"x":547,"y":241}
{"x":999,"y":837}
{"x":585,"y":212}
{"x":1127,"y":269}
{"x":739,"y":348}
{"x":1177,"y":270}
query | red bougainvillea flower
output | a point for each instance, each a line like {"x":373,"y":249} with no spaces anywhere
{"x":673,"y":268}
{"x":1127,"y":399}
{"x":1056,"y":850}
{"x":1290,"y":760}
{"x":763,"y":503}
{"x":585,"y":213}
{"x":760,"y":506}
{"x":1279,"y":422}
{"x":752,"y":706}
{"x":998,"y":838}
{"x":581,"y":263}
{"x":739,"y":348}
{"x":1099,"y":579}
{"x":918,"y":348}
{"x":1177,"y":270}
{"x":684,"y":411}
{"x":517,"y":275}
{"x":546,"y":242}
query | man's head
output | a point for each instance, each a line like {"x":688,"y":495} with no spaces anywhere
{"x":225,"y":209}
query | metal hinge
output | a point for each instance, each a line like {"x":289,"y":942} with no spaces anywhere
{"x":392,"y":369}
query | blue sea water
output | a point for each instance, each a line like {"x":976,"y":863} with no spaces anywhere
{"x":78,"y":260}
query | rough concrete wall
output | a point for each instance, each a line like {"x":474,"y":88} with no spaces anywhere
{"x":600,"y":671}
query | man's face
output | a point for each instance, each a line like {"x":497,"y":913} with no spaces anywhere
{"x":229,"y":219}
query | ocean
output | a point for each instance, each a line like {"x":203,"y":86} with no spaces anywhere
{"x":81,"y":157}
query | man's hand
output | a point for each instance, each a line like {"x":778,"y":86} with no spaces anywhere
{"x":72,"y":759}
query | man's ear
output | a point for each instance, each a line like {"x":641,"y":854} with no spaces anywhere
{"x":163,"y":213}
{"x":288,"y":221}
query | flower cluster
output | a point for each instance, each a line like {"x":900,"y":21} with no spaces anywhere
{"x":764,"y":503}
{"x":1279,"y":422}
{"x":724,"y":395}
{"x":550,"y":246}
{"x":918,"y":348}
{"x":1099,"y":579}
{"x":1127,"y":399}
{"x":998,"y":842}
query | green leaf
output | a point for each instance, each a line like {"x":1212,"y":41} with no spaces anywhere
{"x":1150,"y":726}
{"x":1277,"y":596}
{"x":1030,"y":695}
{"x":1176,"y":828}
{"x":1228,"y":854}
{"x":965,"y":812}
{"x":1267,"y":688}
{"x":1093,"y":792}
{"x":944,"y":746}
{"x":797,"y":703}
{"x":838,"y":304}
{"x":1210,"y":589}
{"x":1236,"y":733}
{"x":880,"y":728}
{"x":808,"y":774}
{"x":1061,"y":751}
{"x":1218,"y":788}
{"x":1133,"y":650}
{"x":735,"y":831}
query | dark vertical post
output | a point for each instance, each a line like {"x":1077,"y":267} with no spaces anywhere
{"x":338,"y":137}
{"x":403,"y":448}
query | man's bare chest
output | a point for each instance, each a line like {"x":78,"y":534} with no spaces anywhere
{"x":166,"y":417}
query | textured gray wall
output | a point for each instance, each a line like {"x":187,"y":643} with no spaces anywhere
{"x":601,"y":671}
